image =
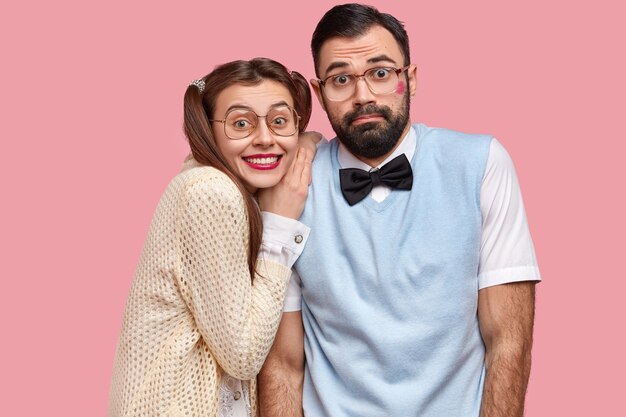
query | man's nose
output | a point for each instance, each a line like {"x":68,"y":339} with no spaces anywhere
{"x":362,"y":93}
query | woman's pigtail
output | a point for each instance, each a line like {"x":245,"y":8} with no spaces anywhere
{"x":196,"y":126}
{"x":303,"y":99}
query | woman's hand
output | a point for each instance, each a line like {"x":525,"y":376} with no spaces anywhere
{"x":287,"y":198}
{"x":309,"y":140}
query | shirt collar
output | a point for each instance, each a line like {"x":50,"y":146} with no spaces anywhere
{"x":407,"y":146}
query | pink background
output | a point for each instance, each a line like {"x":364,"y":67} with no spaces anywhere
{"x":91,"y":96}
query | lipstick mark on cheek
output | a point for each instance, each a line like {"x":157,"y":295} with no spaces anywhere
{"x":401,"y":88}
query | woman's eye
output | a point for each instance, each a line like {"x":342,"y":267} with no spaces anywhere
{"x":241,"y":124}
{"x":279,"y":121}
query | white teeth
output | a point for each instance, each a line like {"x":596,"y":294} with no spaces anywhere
{"x":262,"y":161}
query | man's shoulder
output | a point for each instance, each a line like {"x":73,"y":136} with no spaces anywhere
{"x":439,"y":133}
{"x":457,"y":148}
{"x":325,"y":151}
{"x":326,"y":144}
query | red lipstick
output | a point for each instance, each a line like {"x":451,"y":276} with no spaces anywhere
{"x":262,"y":161}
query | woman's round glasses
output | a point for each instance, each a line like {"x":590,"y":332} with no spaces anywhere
{"x":239,"y":123}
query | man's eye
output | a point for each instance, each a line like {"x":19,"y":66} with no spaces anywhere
{"x":380,"y":73}
{"x":341,"y":79}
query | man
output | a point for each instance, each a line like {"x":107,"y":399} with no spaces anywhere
{"x":417,"y":281}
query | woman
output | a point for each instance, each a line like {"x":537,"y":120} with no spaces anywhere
{"x":207,"y":296}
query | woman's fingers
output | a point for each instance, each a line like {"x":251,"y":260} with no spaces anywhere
{"x":306,"y":168}
{"x":301,"y":168}
{"x":294,"y":176}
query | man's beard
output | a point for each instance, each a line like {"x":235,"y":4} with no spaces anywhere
{"x":374,"y":139}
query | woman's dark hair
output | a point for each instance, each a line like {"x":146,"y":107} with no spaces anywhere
{"x":200,"y":105}
{"x":353,"y":20}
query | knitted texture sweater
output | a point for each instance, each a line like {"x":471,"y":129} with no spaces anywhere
{"x":193,"y":311}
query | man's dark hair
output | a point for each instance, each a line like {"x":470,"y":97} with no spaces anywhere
{"x":353,"y":20}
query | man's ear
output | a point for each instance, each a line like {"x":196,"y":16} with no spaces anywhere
{"x":317,"y":88}
{"x":412,"y":72}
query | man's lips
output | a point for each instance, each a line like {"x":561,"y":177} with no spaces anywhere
{"x":366,"y":118}
{"x":262,"y":161}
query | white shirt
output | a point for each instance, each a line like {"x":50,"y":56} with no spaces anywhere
{"x":507,"y":253}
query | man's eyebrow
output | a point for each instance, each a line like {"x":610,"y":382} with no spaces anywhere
{"x":381,"y":58}
{"x":337,"y":64}
{"x":374,"y":60}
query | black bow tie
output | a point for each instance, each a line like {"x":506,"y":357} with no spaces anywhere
{"x":357,"y":183}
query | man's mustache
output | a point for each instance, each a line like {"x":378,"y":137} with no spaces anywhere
{"x":384,"y":111}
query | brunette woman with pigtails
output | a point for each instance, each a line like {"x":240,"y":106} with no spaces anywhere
{"x":206,"y":300}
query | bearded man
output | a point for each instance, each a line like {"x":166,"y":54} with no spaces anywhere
{"x":415,"y":293}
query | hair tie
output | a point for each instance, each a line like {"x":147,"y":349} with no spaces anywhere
{"x":200,"y":84}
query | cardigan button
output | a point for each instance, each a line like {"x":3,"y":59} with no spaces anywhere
{"x":237,"y":395}
{"x":298,"y":239}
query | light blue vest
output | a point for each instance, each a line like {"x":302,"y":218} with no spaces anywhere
{"x":390,"y":289}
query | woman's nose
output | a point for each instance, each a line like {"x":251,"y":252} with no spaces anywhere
{"x":263,"y":136}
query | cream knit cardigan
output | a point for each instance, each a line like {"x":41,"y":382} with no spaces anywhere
{"x":193,"y":311}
